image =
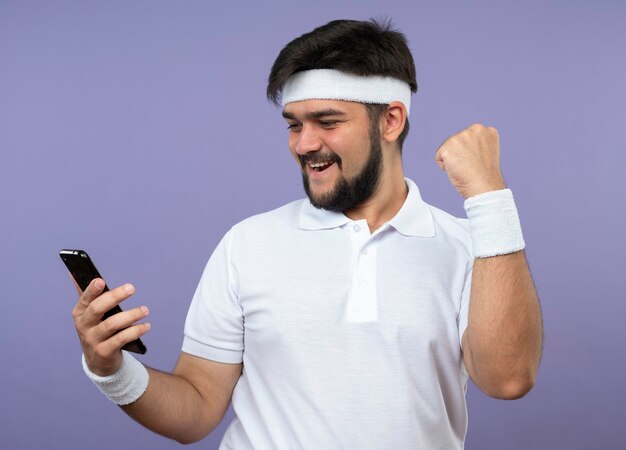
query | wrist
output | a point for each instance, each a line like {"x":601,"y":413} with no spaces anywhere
{"x":483,"y":188}
{"x":103,"y":370}
{"x":494,"y":223}
{"x":124,"y":386}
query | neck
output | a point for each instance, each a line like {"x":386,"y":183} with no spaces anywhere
{"x":386,"y":201}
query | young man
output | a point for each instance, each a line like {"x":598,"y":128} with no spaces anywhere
{"x":353,"y":318}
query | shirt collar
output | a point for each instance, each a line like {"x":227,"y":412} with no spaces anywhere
{"x":413,"y":219}
{"x":312,"y":218}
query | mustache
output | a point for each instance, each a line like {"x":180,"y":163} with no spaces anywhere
{"x":316,"y":157}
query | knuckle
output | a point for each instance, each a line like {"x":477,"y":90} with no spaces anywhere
{"x":101,"y":306}
{"x":96,"y":309}
{"x":457,"y":139}
{"x":101,"y":351}
{"x":80,"y":305}
{"x":108,"y":326}
{"x":119,"y":294}
{"x":136,"y":331}
{"x":120,"y":339}
{"x":138,"y":314}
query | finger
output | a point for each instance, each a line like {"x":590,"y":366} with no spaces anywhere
{"x":439,"y":158}
{"x":477,"y":127}
{"x":118,"y":322}
{"x":103,"y":303}
{"x":119,"y":340}
{"x":93,"y":290}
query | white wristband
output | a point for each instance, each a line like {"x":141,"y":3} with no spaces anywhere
{"x":124,"y":386}
{"x":494,"y":224}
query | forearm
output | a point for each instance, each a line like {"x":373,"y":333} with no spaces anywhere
{"x":185,"y":405}
{"x":171,"y":406}
{"x":504,"y":334}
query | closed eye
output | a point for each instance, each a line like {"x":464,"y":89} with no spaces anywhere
{"x":326,"y":124}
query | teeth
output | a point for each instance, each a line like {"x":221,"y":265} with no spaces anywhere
{"x":320,"y":164}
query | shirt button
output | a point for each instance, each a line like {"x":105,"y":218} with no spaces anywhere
{"x":363,"y":281}
{"x":356,"y":228}
{"x":364,"y":252}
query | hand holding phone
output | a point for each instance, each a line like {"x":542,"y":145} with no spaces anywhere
{"x":104,"y":329}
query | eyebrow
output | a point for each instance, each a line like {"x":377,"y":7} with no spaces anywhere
{"x":316,"y":114}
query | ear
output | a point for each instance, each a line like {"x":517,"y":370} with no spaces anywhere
{"x":394,"y":121}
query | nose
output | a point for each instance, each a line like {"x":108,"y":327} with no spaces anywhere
{"x":308,"y":140}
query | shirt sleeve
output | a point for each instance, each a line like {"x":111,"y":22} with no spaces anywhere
{"x":465,"y":300}
{"x":214,"y":328}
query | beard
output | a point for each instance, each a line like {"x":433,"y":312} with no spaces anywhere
{"x":349,"y":193}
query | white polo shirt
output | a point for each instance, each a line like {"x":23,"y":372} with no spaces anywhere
{"x":349,"y":340}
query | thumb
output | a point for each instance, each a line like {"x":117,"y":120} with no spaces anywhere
{"x":439,"y":161}
{"x":93,"y":290}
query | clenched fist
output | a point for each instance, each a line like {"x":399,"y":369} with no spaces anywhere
{"x":471,"y":159}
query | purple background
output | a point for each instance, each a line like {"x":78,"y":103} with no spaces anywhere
{"x":139,"y":131}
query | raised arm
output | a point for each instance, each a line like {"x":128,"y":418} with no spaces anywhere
{"x":503,"y":340}
{"x":185,"y":405}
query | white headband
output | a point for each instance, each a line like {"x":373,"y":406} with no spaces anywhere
{"x":330,"y":84}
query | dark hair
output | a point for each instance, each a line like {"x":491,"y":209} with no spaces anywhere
{"x":359,"y":47}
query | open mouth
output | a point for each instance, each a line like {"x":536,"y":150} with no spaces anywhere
{"x":320,"y":166}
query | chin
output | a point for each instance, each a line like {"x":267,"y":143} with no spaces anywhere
{"x":319,"y":190}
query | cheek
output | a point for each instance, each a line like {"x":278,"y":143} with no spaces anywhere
{"x":352,"y":149}
{"x":292,"y":149}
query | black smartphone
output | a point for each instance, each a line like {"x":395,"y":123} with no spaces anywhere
{"x":83,"y":270}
